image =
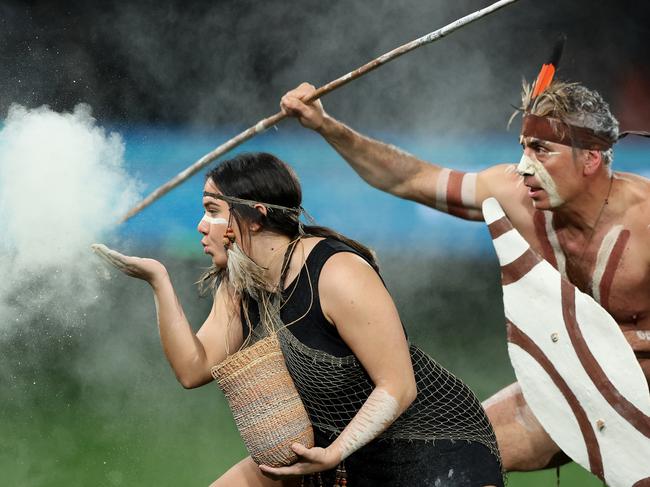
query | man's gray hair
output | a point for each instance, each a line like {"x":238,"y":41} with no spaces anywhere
{"x":576,"y":105}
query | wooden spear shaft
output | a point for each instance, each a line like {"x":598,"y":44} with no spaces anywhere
{"x":265,"y":123}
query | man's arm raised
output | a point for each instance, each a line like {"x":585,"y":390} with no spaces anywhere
{"x":386,"y":167}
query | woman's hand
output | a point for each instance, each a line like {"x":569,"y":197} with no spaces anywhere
{"x":310,"y":460}
{"x":146,"y":269}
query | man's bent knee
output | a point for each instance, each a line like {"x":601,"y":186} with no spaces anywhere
{"x":523,"y":443}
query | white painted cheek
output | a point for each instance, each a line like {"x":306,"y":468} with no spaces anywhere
{"x":531,"y":166}
{"x":547,"y":183}
{"x":214,"y":221}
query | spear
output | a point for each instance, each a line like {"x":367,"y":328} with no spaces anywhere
{"x":265,"y":123}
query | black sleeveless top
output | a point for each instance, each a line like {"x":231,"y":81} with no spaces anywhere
{"x":312,"y":329}
{"x":333,"y":384}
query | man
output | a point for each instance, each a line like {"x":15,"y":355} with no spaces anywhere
{"x":590,"y":223}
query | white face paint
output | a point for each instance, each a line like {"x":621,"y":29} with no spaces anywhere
{"x":530,"y":166}
{"x":214,"y":221}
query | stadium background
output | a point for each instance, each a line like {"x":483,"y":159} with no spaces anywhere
{"x":96,"y":404}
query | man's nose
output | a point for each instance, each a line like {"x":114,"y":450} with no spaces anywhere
{"x":525,"y":166}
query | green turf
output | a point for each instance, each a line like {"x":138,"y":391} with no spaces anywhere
{"x":92,"y":402}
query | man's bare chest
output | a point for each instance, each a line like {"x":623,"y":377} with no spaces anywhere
{"x":609,"y":265}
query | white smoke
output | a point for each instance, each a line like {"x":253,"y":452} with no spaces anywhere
{"x":62,"y":187}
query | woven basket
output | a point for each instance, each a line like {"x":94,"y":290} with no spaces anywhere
{"x":268,"y":411}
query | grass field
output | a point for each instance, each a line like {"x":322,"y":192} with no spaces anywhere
{"x":94,"y":403}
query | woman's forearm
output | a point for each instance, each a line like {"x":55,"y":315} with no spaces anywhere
{"x":379,"y":411}
{"x":183,"y":349}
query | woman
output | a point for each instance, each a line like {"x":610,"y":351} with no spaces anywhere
{"x":341,"y":335}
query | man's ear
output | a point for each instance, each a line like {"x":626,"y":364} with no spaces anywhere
{"x":256,"y":227}
{"x":593,"y":161}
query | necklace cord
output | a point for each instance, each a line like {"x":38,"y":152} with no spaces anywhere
{"x":600,"y":214}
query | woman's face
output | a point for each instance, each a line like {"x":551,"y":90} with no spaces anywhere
{"x":213,"y":225}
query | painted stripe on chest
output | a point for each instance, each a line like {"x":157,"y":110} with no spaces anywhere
{"x":539,"y":219}
{"x":558,"y":252}
{"x":607,"y":262}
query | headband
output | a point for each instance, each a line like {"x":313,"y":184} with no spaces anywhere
{"x":252,"y":203}
{"x":554,"y":130}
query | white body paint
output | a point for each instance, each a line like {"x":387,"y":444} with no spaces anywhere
{"x":531,"y":166}
{"x":533,"y":304}
{"x":468,"y":196}
{"x":523,"y":415}
{"x":468,"y":189}
{"x":643,"y":334}
{"x":441,"y":189}
{"x":604,"y":252}
{"x":560,"y":258}
{"x":502,"y":395}
{"x":509,"y":247}
{"x":214,"y":221}
{"x":376,"y":414}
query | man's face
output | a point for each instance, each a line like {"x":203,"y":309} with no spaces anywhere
{"x":549,"y":171}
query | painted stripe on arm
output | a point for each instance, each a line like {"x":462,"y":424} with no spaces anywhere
{"x":456,"y":194}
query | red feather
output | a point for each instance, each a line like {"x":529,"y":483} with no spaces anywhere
{"x":544,"y":79}
{"x":546,"y":74}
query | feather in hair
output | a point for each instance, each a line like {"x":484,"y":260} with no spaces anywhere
{"x":546,"y":74}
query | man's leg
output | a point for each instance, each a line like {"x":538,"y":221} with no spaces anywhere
{"x":523,"y":443}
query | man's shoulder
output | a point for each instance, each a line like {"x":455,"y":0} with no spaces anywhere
{"x":636,"y":188}
{"x":636,"y":197}
{"x":631,"y":177}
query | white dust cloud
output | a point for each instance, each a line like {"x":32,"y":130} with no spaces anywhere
{"x":62,"y":187}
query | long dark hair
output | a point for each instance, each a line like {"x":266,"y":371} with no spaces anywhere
{"x":259,"y":176}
